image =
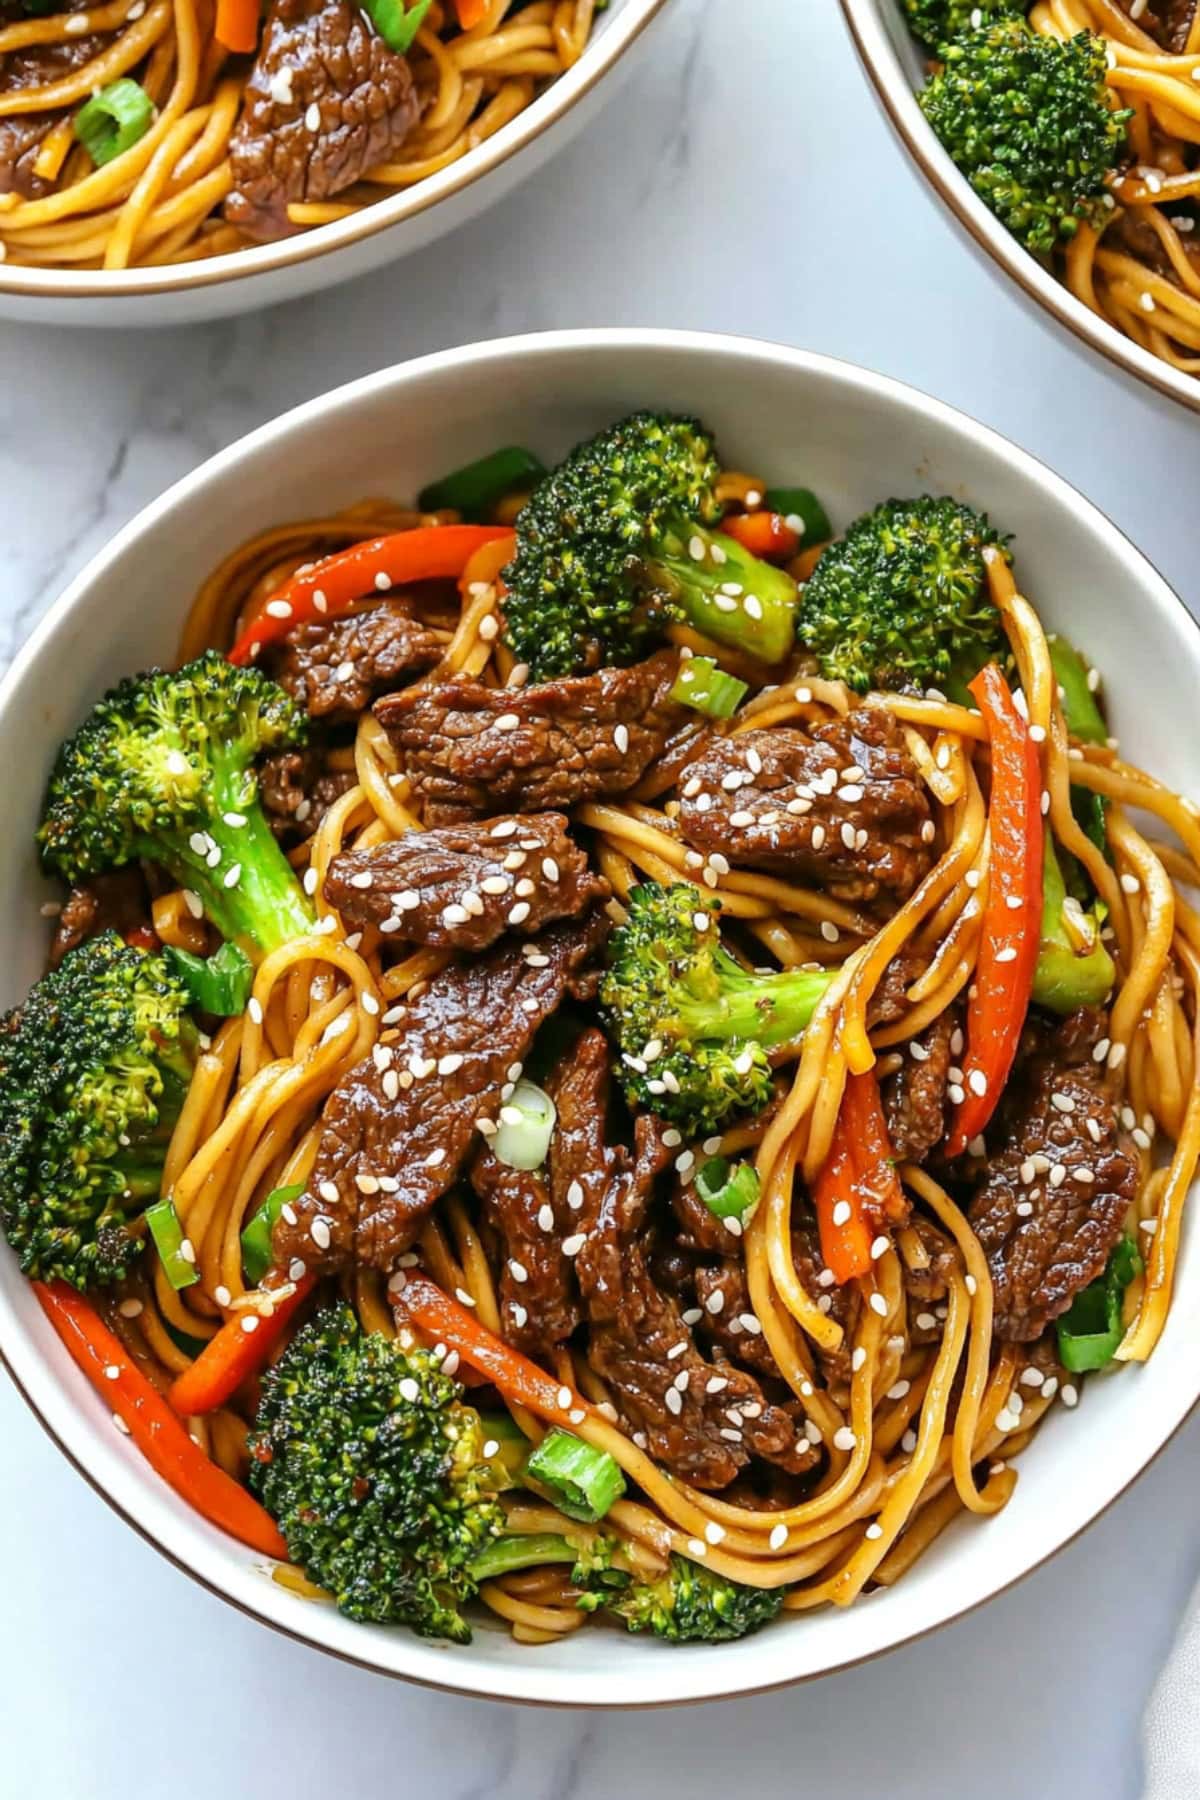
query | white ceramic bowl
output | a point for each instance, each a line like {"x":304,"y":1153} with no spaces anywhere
{"x":855,"y":438}
{"x":896,"y":65}
{"x":328,"y":254}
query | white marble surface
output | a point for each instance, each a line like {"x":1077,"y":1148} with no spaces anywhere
{"x":742,"y":181}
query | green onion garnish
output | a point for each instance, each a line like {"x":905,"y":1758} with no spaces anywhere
{"x":476,"y":488}
{"x":256,"y":1238}
{"x":396,"y":23}
{"x":167,"y":1232}
{"x":526,"y":1127}
{"x":727,"y":1192}
{"x":113,"y":120}
{"x":581,"y":1481}
{"x":1090,"y":1331}
{"x":800,"y":508}
{"x":219,"y":983}
{"x":707,"y":689}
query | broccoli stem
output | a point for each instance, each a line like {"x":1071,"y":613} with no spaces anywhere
{"x":1064,"y":979}
{"x":504,"y":1555}
{"x":142,"y":1174}
{"x":265,"y":906}
{"x":767,"y":1009}
{"x":699,"y":583}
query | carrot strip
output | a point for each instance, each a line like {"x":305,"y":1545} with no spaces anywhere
{"x":237,"y":25}
{"x":154,"y":1428}
{"x":764,"y":534}
{"x":841,"y":1217}
{"x":234,"y":1354}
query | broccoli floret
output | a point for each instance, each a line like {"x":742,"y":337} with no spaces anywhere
{"x":936,"y":21}
{"x":689,"y":1604}
{"x":163,"y":770}
{"x":692,"y":1026}
{"x":620,"y":541}
{"x":374,"y":1470}
{"x":592,"y":1554}
{"x":93,"y":1071}
{"x":901,"y":600}
{"x":1028,"y":121}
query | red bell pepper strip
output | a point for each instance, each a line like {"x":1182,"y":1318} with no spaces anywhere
{"x":429,"y":553}
{"x":234,"y":1354}
{"x":152,"y":1425}
{"x":469,"y":12}
{"x":1012,"y":918}
{"x":841,"y":1218}
{"x":765,"y":534}
{"x":874,"y":1159}
{"x":448,"y":1322}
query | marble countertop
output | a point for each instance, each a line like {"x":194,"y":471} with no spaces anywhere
{"x":743,"y":181}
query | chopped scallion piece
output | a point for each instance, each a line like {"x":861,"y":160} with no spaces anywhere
{"x":474,"y":490}
{"x":398,"y":23}
{"x":113,"y":120}
{"x":1090,"y":1332}
{"x":582,"y":1482}
{"x":801,"y":509}
{"x":701,"y":685}
{"x":728,"y":1193}
{"x":219,"y":983}
{"x":526,"y":1127}
{"x":169,"y":1240}
{"x":256,"y":1237}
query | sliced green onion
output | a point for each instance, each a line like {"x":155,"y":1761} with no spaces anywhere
{"x":113,"y":120}
{"x":256,"y":1238}
{"x":1090,"y":1332}
{"x":707,"y":689}
{"x":396,"y":23}
{"x":581,"y":1481}
{"x":219,"y":983}
{"x":801,"y":510}
{"x":476,"y":488}
{"x":506,"y":1554}
{"x":728,"y":1193}
{"x":167,"y":1232}
{"x":526,"y":1127}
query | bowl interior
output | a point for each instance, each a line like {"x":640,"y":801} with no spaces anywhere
{"x":896,"y":65}
{"x":855,"y":438}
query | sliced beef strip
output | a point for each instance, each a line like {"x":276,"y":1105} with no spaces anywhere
{"x":297,"y":788}
{"x":470,"y":750}
{"x":21,"y":134}
{"x":928,"y":1286}
{"x":334,"y":668}
{"x":1166,"y":21}
{"x":398,"y":1127}
{"x":1058,"y":1181}
{"x":464,"y":886}
{"x":843,"y":1302}
{"x":914,"y":1098}
{"x":841,"y":805}
{"x":119,"y":901}
{"x":731,"y":1321}
{"x":324,"y":55}
{"x":538,"y":1299}
{"x":638,"y":1342}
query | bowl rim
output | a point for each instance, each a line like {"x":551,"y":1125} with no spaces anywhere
{"x":1039,"y":285}
{"x":503,"y":1685}
{"x":602,"y":52}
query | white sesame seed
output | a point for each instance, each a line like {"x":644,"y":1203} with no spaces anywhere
{"x":829,"y":931}
{"x":621,"y":738}
{"x":844,"y":1438}
{"x":715,"y":1301}
{"x":312,"y":118}
{"x":874,"y":1531}
{"x":435,"y":1158}
{"x":1070,"y":1394}
{"x":925,"y":1321}
{"x":977,"y":1082}
{"x":878,"y":1305}
{"x":674,"y":1400}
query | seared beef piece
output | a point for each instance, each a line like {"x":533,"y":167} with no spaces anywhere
{"x":322,"y":54}
{"x":889,"y":1002}
{"x":21,"y":134}
{"x":1166,"y":21}
{"x":683,"y":746}
{"x":538,"y":1299}
{"x":297,"y":790}
{"x":1058,"y":1182}
{"x":473,"y":750}
{"x":914,"y":1098}
{"x":397,"y":1128}
{"x":463,"y":886}
{"x":928,"y":1286}
{"x":699,"y":1230}
{"x":638,"y":1342}
{"x":843,"y":1301}
{"x":842,"y":805}
{"x":741,"y":1342}
{"x":115,"y":902}
{"x":336,"y":667}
